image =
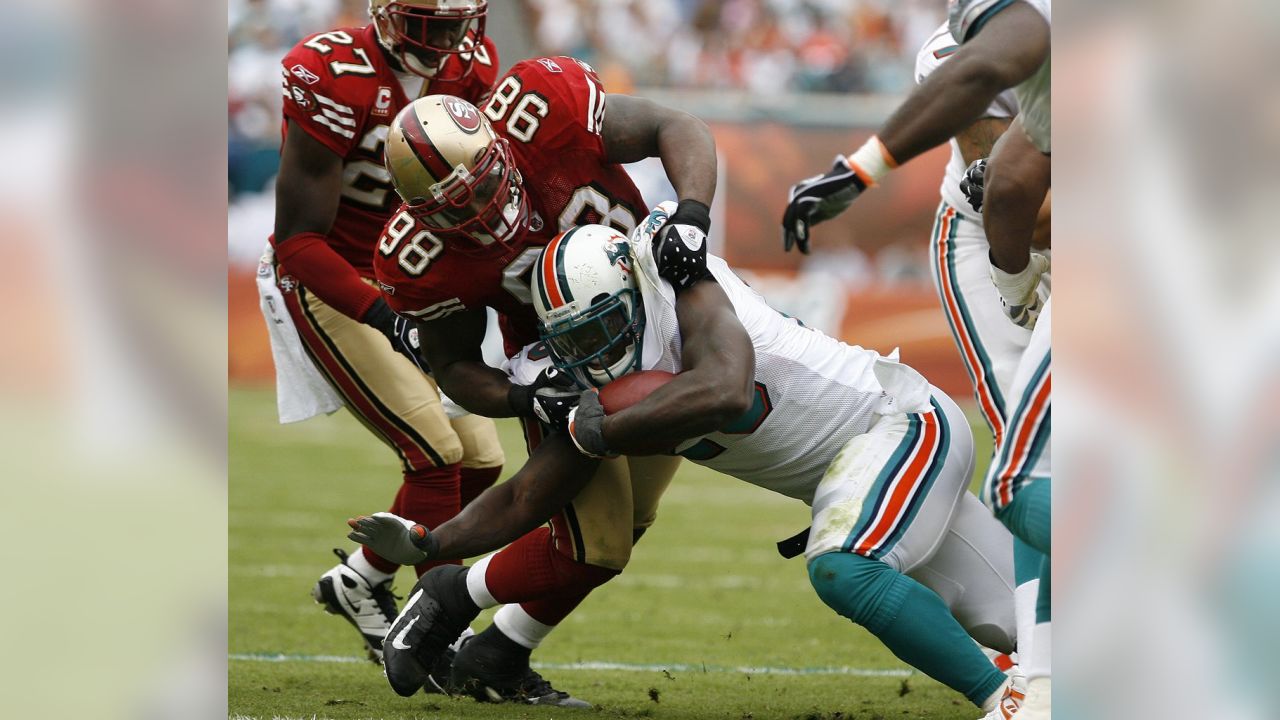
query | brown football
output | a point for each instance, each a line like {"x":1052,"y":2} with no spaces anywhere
{"x":631,"y":389}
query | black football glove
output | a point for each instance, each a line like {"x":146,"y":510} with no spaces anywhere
{"x":382,"y":318}
{"x":400,"y":331}
{"x":586,"y":426}
{"x":405,"y":341}
{"x":974,"y":182}
{"x":681,"y":245}
{"x":401,"y":541}
{"x":818,"y":199}
{"x":550,"y":398}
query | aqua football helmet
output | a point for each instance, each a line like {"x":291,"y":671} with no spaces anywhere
{"x":589,"y":307}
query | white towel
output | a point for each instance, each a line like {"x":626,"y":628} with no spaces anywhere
{"x":301,"y":391}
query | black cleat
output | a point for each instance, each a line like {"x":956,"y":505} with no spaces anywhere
{"x":439,"y":680}
{"x":438,"y":610}
{"x":491,"y":668}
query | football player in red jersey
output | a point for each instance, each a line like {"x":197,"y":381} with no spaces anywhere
{"x":485,"y":191}
{"x":333,"y":195}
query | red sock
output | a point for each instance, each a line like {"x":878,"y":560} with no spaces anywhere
{"x":550,"y":611}
{"x":530,"y":569}
{"x":476,"y":481}
{"x":428,"y":496}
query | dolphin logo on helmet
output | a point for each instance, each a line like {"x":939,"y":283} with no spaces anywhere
{"x":589,"y":307}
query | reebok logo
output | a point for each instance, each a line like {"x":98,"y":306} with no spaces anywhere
{"x":304,"y":75}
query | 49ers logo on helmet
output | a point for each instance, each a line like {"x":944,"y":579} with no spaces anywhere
{"x":463,"y":113}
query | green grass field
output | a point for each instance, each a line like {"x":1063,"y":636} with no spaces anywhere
{"x":706,"y":622}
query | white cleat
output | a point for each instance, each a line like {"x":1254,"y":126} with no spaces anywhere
{"x":1039,"y":702}
{"x":369,"y":608}
{"x":1012,"y":698}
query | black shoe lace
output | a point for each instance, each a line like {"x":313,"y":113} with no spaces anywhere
{"x":386,"y":600}
{"x":533,"y":685}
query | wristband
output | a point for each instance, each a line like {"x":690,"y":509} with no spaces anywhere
{"x":424,"y":540}
{"x":519,"y":398}
{"x":872,"y":161}
{"x":380,"y":316}
{"x":692,"y":212}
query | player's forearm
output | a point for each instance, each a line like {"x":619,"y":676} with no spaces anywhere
{"x":554,"y":474}
{"x":691,"y":405}
{"x":688,"y":153}
{"x":310,"y":259}
{"x":474,"y":385}
{"x":1009,"y":48}
{"x":307,"y":197}
{"x":948,"y":101}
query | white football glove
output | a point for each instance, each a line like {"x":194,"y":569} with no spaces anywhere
{"x":1018,"y":294}
{"x":401,"y":541}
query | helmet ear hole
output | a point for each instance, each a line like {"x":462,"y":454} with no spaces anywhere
{"x":599,"y":298}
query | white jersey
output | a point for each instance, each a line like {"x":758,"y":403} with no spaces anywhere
{"x":1034,"y":94}
{"x":813,"y":393}
{"x":940,"y":46}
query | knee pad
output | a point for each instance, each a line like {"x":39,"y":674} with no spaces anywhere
{"x":864,"y":590}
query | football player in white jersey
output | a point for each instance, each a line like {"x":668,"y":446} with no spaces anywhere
{"x":1004,"y":44}
{"x":1018,"y":483}
{"x":1007,"y":44}
{"x":990,"y":346}
{"x":1017,"y":179}
{"x":897,"y":545}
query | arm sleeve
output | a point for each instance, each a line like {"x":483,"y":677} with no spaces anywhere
{"x":309,"y":258}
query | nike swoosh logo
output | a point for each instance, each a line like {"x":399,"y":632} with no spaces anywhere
{"x":413,"y":600}
{"x":396,"y":642}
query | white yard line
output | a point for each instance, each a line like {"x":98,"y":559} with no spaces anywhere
{"x":622,"y":667}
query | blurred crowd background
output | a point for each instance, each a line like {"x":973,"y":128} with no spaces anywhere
{"x":766,"y":47}
{"x":824,"y":63}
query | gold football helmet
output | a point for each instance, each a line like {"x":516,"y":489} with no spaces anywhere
{"x":422,"y":34}
{"x":456,"y":174}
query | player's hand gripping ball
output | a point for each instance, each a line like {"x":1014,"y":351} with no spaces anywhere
{"x":586,"y":421}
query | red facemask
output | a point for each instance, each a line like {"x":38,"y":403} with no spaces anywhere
{"x":430,"y":36}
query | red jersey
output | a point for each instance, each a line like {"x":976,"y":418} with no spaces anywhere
{"x":340,"y":87}
{"x":551,"y":111}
